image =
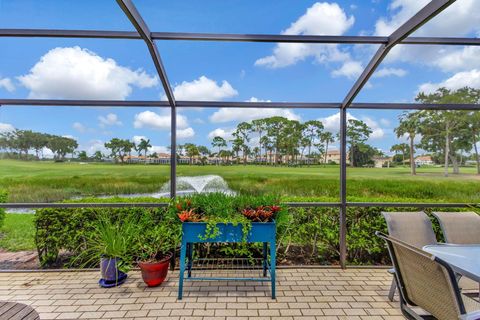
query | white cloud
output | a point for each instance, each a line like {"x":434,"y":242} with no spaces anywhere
{"x":332,"y":124}
{"x":185,"y":133}
{"x":7,"y":84}
{"x":320,"y":19}
{"x":377,"y":131}
{"x":349,"y":69}
{"x":385,"y":122}
{"x":6,"y":127}
{"x":225,"y":133}
{"x":79,"y":127}
{"x":110,"y":119}
{"x":137,"y":139}
{"x":76,"y":73}
{"x":242,"y":114}
{"x":386,"y":72}
{"x":459,"y":59}
{"x":455,"y":21}
{"x":203,"y":89}
{"x":152,"y":120}
{"x":95,"y":145}
{"x":255,"y":99}
{"x":159,"y":149}
{"x":459,"y":80}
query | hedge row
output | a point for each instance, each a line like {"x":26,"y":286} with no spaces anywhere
{"x":310,"y":236}
{"x":3,"y":199}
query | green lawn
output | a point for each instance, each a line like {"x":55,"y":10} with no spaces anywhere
{"x":18,"y":232}
{"x":48,"y":181}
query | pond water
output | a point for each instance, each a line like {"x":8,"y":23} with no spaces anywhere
{"x":185,"y":186}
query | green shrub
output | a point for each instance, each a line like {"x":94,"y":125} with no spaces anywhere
{"x":304,"y":235}
{"x":3,"y":199}
{"x":69,"y":229}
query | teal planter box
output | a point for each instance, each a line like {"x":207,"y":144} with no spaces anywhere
{"x":194,"y":232}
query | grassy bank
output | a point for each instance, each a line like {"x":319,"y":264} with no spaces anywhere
{"x":48,"y":181}
{"x":18,"y":232}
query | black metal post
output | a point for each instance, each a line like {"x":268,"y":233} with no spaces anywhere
{"x":173,"y":152}
{"x":343,"y":188}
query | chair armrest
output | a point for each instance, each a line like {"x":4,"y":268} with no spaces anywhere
{"x":475,"y":315}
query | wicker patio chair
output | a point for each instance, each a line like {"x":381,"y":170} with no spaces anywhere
{"x":427,"y":282}
{"x":415,"y":228}
{"x":461,"y":228}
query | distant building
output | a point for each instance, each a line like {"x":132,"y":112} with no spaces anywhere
{"x":423,"y":160}
{"x":381,"y":162}
{"x":332,"y":156}
{"x":162,"y":158}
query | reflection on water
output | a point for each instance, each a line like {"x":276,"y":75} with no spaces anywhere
{"x":185,"y":186}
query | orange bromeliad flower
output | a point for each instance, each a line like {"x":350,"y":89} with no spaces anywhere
{"x":188,"y":216}
{"x":261,"y":214}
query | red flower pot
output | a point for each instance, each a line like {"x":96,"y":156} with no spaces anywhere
{"x":153,"y":273}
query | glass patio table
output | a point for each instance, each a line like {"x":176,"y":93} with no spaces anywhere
{"x":464,"y":258}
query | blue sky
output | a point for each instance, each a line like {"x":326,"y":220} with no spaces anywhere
{"x":121,"y":69}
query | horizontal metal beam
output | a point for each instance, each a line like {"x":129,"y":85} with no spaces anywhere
{"x":247,"y":104}
{"x":229,"y":37}
{"x":150,"y":103}
{"x":82,"y":103}
{"x":413,"y":205}
{"x":233,"y":104}
{"x":288,"y":204}
{"x":57,"y":33}
{"x":445,"y":41}
{"x":312,"y":204}
{"x":414,"y":106}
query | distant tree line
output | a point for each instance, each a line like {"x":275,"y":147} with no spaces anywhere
{"x":19,"y":144}
{"x":278,"y":140}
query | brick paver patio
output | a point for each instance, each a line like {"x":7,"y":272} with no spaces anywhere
{"x":301,"y":294}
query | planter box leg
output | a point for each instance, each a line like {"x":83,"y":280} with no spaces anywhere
{"x":183,"y":254}
{"x":272,"y":266}
{"x":190,"y":261}
{"x":265,"y":257}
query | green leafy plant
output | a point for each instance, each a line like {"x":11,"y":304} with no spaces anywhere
{"x":3,"y":199}
{"x":111,"y":239}
{"x":158,"y":237}
{"x":217,"y":208}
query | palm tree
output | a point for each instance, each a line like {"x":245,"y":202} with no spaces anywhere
{"x":409,"y":122}
{"x":192,"y":151}
{"x":219,"y":142}
{"x":259,"y":126}
{"x":144,"y":145}
{"x":327,"y":137}
{"x":400,"y":147}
